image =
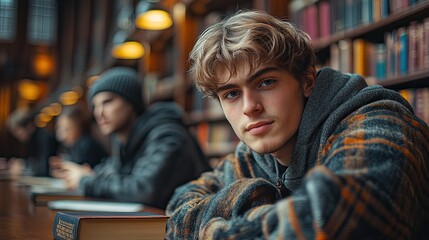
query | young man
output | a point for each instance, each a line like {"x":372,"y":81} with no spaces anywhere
{"x":152,"y":150}
{"x":322,"y":155}
{"x":72,"y":130}
{"x":40,"y":145}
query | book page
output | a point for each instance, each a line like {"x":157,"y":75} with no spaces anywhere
{"x":94,"y":206}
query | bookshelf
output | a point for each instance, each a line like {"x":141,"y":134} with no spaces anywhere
{"x":386,"y":41}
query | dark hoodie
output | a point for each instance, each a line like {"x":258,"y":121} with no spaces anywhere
{"x":359,"y":171}
{"x":159,"y":156}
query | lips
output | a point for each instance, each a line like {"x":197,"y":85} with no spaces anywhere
{"x":102,"y":123}
{"x":259,"y":127}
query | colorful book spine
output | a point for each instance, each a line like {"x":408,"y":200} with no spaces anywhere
{"x":381,"y":57}
{"x":359,"y":57}
{"x":325,"y":19}
{"x":403,"y":50}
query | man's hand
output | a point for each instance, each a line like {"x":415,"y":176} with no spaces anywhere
{"x":16,"y":166}
{"x":69,"y":171}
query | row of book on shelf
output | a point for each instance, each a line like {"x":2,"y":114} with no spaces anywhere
{"x":75,"y":216}
{"x":404,"y":51}
{"x":325,"y":17}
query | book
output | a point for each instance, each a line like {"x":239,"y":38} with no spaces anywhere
{"x":94,"y":206}
{"x":108,"y":225}
{"x":403,"y":50}
{"x":42,"y":182}
{"x":41,"y":198}
{"x":359,"y":57}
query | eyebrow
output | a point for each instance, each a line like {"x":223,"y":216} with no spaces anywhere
{"x":249,"y":80}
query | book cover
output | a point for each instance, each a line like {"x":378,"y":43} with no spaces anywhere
{"x":108,"y":225}
{"x":41,"y":198}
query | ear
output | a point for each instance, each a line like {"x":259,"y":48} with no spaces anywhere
{"x":308,"y":82}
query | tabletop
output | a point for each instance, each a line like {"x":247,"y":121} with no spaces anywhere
{"x":21,"y":219}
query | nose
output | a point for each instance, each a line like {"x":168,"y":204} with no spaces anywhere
{"x":251,"y":104}
{"x":98,"y":111}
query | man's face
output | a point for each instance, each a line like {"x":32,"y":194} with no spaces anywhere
{"x":112,"y":113}
{"x":67,"y":131}
{"x":264,"y":107}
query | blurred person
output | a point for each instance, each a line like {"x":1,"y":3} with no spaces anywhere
{"x":152,"y":150}
{"x":77,"y":144}
{"x":40,"y":144}
{"x":322,"y":154}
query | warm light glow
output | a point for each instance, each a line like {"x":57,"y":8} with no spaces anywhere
{"x":39,"y":123}
{"x":91,"y":80}
{"x":78,"y":90}
{"x":49,"y":110}
{"x":43,"y":64}
{"x":29,"y":90}
{"x":54,"y":109}
{"x":57,"y":108}
{"x":128,"y":50}
{"x":69,"y":98}
{"x":154,"y":20}
{"x":42,"y":119}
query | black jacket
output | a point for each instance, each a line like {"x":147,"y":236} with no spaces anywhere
{"x":85,"y":150}
{"x":42,"y":145}
{"x":159,"y":156}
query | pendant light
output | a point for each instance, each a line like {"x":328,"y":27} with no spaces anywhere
{"x":151,"y":16}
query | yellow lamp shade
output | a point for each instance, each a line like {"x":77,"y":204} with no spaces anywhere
{"x":29,"y":90}
{"x":43,"y":64}
{"x":128,"y":50}
{"x":154,"y":20}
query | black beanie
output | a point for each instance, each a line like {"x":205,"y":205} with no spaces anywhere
{"x":123,"y":81}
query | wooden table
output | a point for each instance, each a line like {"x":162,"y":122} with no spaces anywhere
{"x":20,"y":219}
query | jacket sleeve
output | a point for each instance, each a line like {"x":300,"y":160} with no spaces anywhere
{"x":198,"y":202}
{"x":371,"y":181}
{"x":160,"y":166}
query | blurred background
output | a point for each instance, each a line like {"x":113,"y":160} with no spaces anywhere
{"x":52,"y":50}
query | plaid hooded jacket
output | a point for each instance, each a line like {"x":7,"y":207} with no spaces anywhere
{"x":359,"y":171}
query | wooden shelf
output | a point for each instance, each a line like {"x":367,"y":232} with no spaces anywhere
{"x":377,"y":29}
{"x":412,"y":80}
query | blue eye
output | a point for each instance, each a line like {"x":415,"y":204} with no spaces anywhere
{"x":231,"y":94}
{"x":266,"y":83}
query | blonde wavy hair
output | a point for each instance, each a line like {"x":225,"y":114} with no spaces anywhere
{"x":249,"y":38}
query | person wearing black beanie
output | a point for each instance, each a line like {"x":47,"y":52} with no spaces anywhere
{"x":152,"y":150}
{"x":123,"y":81}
